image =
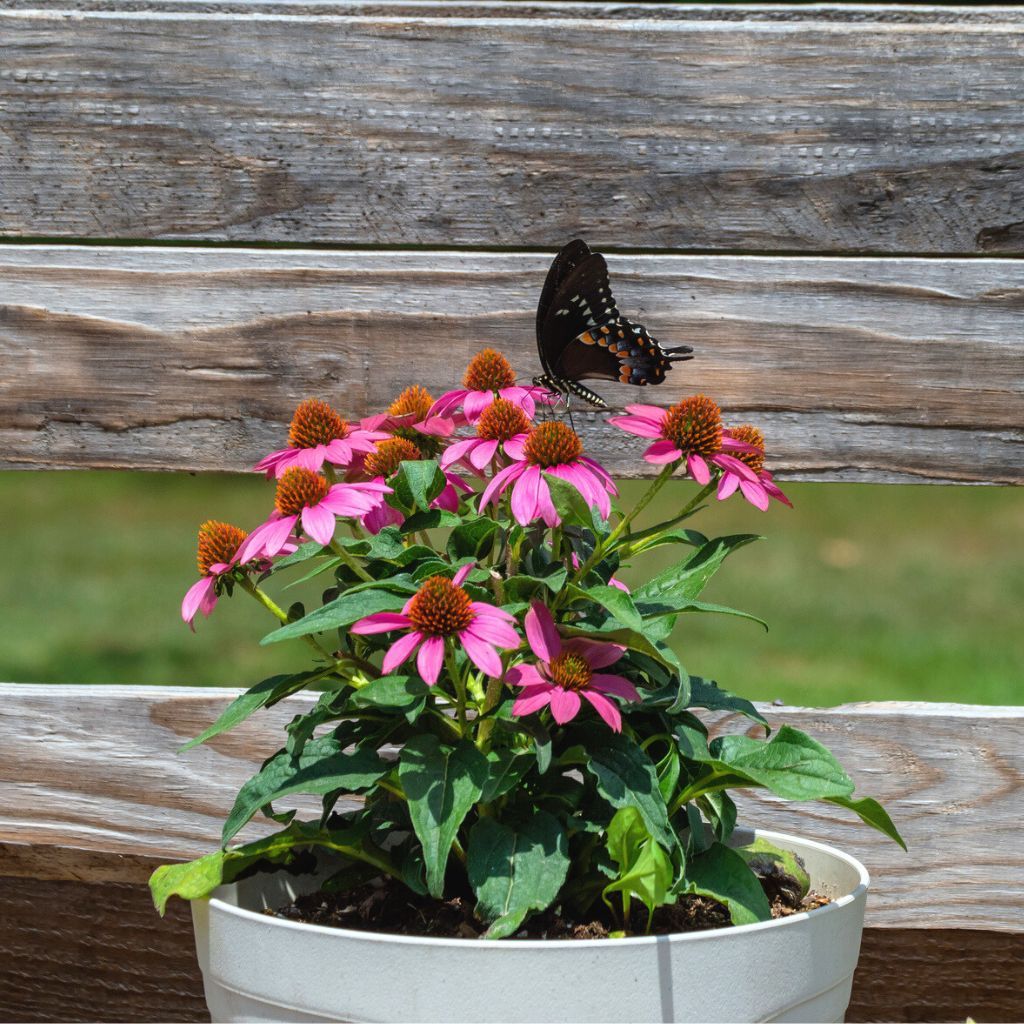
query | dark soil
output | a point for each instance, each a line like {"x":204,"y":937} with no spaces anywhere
{"x":389,"y":907}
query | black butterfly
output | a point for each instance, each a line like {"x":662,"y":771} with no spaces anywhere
{"x":581,"y":335}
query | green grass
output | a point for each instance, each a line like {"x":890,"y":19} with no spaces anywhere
{"x":871,"y":592}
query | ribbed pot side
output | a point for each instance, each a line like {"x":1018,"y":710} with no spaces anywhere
{"x":799,"y":968}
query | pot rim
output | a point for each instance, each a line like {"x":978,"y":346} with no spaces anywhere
{"x":709,"y":934}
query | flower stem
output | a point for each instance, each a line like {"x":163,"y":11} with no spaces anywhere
{"x":350,"y":562}
{"x":656,"y":531}
{"x":491,"y":698}
{"x":460,"y":686}
{"x":267,"y":601}
{"x":603,"y":547}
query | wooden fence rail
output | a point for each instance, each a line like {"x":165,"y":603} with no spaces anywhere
{"x":95,"y":796}
{"x":844,"y":128}
{"x":858,"y":369}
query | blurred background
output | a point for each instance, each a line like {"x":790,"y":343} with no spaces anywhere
{"x":870,"y":592}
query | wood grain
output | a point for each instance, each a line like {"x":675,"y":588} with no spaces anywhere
{"x":94,"y":769}
{"x":840,"y":129}
{"x":859,"y":369}
{"x":73,"y":951}
{"x":77,"y":951}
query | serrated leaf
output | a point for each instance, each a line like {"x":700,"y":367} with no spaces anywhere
{"x":791,"y":764}
{"x":264,"y":693}
{"x":661,"y":609}
{"x":704,"y":693}
{"x":407,"y":694}
{"x":441,"y":784}
{"x":645,"y":869}
{"x":196,"y":879}
{"x":872,"y":813}
{"x":468,"y":539}
{"x":506,"y":769}
{"x":301,"y":554}
{"x":322,"y":768}
{"x":686,"y":580}
{"x":723,"y":875}
{"x":614,"y":601}
{"x":626,"y":777}
{"x":515,"y":871}
{"x":434,"y":518}
{"x":720,"y":810}
{"x":343,"y":611}
{"x":418,"y":483}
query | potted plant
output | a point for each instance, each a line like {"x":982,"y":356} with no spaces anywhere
{"x":516,"y":781}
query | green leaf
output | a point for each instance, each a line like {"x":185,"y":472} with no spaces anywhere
{"x":791,"y":765}
{"x":343,"y":611}
{"x":469,"y":539}
{"x":570,"y":505}
{"x":267,"y":692}
{"x":407,"y":694}
{"x":626,"y":777}
{"x":432,"y":519}
{"x":651,"y":610}
{"x":322,"y":768}
{"x":418,"y":483}
{"x":301,"y":554}
{"x":196,"y":879}
{"x":692,"y":739}
{"x":441,"y":784}
{"x":649,"y":539}
{"x":722,"y":874}
{"x":645,"y":869}
{"x":514,"y":872}
{"x":326,"y":566}
{"x":614,"y":601}
{"x":872,"y":813}
{"x":720,"y":810}
{"x":191,"y":881}
{"x":781,"y":869}
{"x":704,"y":693}
{"x":686,"y":580}
{"x":506,"y":769}
{"x":386,"y":544}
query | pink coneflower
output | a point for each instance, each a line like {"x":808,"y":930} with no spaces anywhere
{"x":749,"y":475}
{"x":317,"y":435}
{"x":489,"y":374}
{"x":384,"y":461}
{"x":502,"y":428}
{"x":565,"y":672}
{"x":553,"y":448}
{"x":306,"y":497}
{"x":691,"y":430}
{"x":216,"y":556}
{"x":411,"y":416}
{"x":440,"y":611}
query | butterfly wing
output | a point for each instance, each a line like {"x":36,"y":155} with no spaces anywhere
{"x":568,"y":259}
{"x":582,"y":301}
{"x":622,"y":351}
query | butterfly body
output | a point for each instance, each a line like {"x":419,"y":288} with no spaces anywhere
{"x":581,"y":334}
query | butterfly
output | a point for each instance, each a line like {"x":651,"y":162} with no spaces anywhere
{"x":582,"y":336}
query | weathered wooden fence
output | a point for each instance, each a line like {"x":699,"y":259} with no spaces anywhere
{"x":825,"y":201}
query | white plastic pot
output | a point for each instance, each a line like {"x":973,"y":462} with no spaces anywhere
{"x":799,"y":968}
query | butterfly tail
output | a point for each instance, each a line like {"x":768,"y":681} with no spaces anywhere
{"x":678,"y":353}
